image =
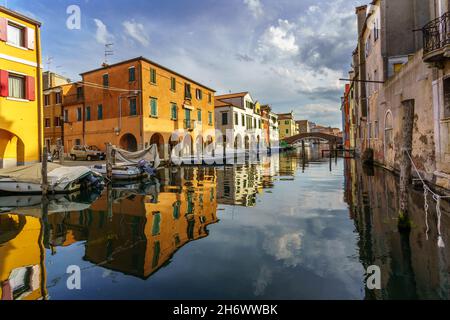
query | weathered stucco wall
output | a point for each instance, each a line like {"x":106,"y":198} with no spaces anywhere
{"x":413,"y":82}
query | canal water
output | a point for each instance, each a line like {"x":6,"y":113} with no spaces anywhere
{"x":285,"y":228}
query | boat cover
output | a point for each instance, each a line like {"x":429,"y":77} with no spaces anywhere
{"x":149,"y":154}
{"x":32,"y":173}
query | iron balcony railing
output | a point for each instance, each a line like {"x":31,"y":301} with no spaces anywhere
{"x":436,"y":34}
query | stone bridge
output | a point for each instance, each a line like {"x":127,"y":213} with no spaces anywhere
{"x":313,"y":135}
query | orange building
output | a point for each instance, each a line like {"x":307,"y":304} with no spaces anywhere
{"x":135,"y":103}
{"x":53,"y":108}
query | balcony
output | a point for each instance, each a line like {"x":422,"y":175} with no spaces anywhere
{"x":189,"y":124}
{"x":72,"y":99}
{"x":436,"y":39}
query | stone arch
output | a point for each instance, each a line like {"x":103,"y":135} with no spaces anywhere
{"x":158,"y":140}
{"x":199,"y":144}
{"x":12,"y":150}
{"x":128,"y":142}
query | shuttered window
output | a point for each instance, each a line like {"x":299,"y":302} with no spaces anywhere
{"x":153,"y":107}
{"x":16,"y":86}
{"x":173,"y":111}
{"x":16,"y":35}
{"x":152,"y":75}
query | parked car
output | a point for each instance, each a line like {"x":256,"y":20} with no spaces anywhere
{"x":88,"y":153}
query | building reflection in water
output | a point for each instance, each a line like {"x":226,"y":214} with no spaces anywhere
{"x":412,"y":267}
{"x":136,"y":231}
{"x":22,"y":258}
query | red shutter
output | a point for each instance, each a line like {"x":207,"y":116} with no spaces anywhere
{"x":30,"y":89}
{"x":3,"y":29}
{"x":3,"y":83}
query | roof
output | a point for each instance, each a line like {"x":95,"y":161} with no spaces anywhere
{"x":18,"y":15}
{"x":232,"y":95}
{"x":220,"y":103}
{"x":141,"y":58}
{"x":285,"y":116}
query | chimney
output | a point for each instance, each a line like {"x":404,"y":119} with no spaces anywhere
{"x":361,"y":13}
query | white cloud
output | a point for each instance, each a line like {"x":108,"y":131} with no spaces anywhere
{"x":255,"y":7}
{"x":279,"y":40}
{"x":102,"y":35}
{"x":137,"y":32}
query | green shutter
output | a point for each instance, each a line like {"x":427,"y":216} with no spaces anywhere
{"x":156,"y":228}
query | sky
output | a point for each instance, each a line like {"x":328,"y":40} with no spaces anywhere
{"x":286,"y":53}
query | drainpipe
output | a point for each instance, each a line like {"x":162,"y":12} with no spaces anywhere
{"x":39,"y":90}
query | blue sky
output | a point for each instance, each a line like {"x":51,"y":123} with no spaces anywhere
{"x":287,"y":53}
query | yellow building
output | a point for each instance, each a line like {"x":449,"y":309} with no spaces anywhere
{"x":22,"y":253}
{"x":20,"y":89}
{"x":287,"y":125}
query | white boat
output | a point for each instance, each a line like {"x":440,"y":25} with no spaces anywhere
{"x":121,"y":171}
{"x":31,"y":205}
{"x":28,"y":179}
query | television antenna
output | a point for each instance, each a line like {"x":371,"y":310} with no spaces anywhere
{"x":108,"y":52}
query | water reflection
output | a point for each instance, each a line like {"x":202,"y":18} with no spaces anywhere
{"x":286,"y":227}
{"x":413,"y":267}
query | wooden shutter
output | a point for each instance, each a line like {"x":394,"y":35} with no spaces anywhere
{"x":30,"y":88}
{"x":3,"y":83}
{"x":3,"y":29}
{"x":30,"y":38}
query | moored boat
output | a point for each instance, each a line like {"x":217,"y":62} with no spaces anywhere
{"x":28,"y":179}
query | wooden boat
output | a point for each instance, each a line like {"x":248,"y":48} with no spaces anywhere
{"x":28,"y":179}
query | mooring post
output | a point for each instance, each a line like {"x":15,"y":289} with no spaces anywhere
{"x":303,"y":148}
{"x":109,"y":164}
{"x":60,"y":152}
{"x":44,"y":186}
{"x":404,"y":222}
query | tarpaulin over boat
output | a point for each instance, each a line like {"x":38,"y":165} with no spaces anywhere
{"x":149,"y":154}
{"x":32,"y":173}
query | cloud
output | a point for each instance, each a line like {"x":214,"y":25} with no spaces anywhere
{"x":279,"y":40}
{"x":102,"y":35}
{"x":321,"y":113}
{"x":137,"y":32}
{"x":255,"y":7}
{"x":244,"y":57}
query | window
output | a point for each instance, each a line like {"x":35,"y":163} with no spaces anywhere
{"x":173,"y":84}
{"x":56,"y":122}
{"x":79,"y":114}
{"x":287,"y":131}
{"x":79,"y":93}
{"x":199,"y":115}
{"x":209,"y":97}
{"x":236,"y":118}
{"x":66,"y":116}
{"x":16,"y":34}
{"x":100,"y":112}
{"x":58,"y":98}
{"x":133,"y":109}
{"x":370,"y":130}
{"x":224,"y":118}
{"x":46,"y":100}
{"x":187,"y":91}
{"x":156,"y":223}
{"x":106,"y":80}
{"x":446,"y":113}
{"x":47,"y":122}
{"x":132,"y":74}
{"x":187,"y":118}
{"x":198,"y":94}
{"x":243,"y":120}
{"x":388,"y":130}
{"x":153,"y":107}
{"x":88,"y":113}
{"x":16,"y":86}
{"x":210,"y":121}
{"x":152,"y":76}
{"x":173,"y":111}
{"x":286,"y":122}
